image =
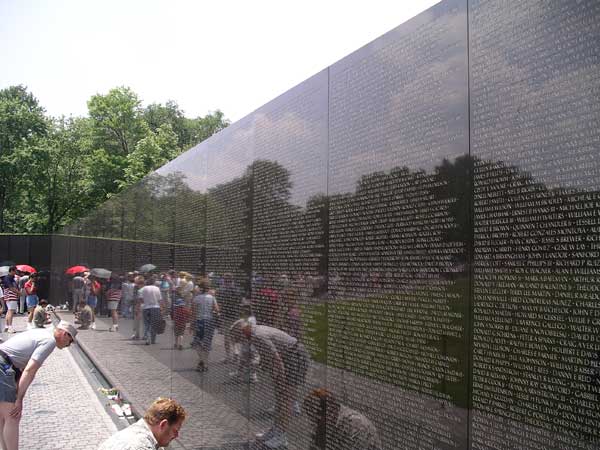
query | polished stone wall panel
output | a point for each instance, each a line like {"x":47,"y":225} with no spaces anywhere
{"x":429,"y":203}
{"x":535,"y":84}
{"x":398,"y":229}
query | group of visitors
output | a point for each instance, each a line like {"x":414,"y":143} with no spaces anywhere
{"x":199,"y":306}
{"x":19,"y":295}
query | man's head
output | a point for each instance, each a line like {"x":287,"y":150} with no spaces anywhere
{"x":12,"y":270}
{"x":165,"y":418}
{"x":64,"y":334}
{"x":240,"y":329}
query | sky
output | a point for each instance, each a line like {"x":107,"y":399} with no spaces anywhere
{"x":230,"y":55}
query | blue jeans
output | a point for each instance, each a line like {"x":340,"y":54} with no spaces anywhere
{"x":151,"y":319}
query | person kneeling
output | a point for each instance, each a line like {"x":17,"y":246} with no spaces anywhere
{"x":85,"y":315}
{"x":40,"y":316}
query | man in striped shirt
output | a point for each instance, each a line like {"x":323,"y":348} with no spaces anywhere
{"x":11,"y":297}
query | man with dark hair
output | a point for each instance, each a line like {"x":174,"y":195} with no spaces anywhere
{"x":160,"y":425}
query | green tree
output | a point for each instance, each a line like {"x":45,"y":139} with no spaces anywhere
{"x":55,"y":188}
{"x":21,"y":119}
{"x":151,"y":152}
{"x":202,"y":128}
{"x":117,"y":120}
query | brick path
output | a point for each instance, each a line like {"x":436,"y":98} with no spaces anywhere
{"x":61,"y":411}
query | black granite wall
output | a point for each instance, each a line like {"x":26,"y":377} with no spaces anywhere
{"x":423,"y":215}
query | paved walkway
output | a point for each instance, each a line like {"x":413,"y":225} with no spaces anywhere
{"x":61,"y":411}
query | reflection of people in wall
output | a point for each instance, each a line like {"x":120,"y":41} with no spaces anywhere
{"x":343,"y":427}
{"x":287,"y":360}
{"x":229,"y":296}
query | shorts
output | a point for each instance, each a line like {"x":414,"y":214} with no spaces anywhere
{"x":112,"y":305}
{"x":13,"y":305}
{"x":8,"y":385}
{"x":92,"y":301}
{"x":32,"y":301}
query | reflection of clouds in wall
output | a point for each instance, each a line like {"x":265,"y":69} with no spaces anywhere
{"x":229,"y":153}
{"x":283,"y":139}
{"x":535,"y":90}
{"x":219,"y":159}
{"x":402,"y":100}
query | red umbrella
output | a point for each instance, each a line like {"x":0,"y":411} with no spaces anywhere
{"x":76,"y":269}
{"x":26,"y":268}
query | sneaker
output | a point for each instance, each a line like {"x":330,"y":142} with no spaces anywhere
{"x":134,"y":337}
{"x":277,"y":440}
{"x":115,"y":327}
{"x":11,"y":330}
{"x":110,"y":329}
{"x":93,"y":327}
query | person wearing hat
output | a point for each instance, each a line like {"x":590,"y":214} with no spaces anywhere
{"x":20,"y":359}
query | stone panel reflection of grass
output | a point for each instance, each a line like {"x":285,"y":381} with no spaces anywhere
{"x":401,"y":339}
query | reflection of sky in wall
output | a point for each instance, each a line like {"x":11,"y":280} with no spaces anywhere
{"x":536,"y":84}
{"x":399,"y":109}
{"x":292,"y":131}
{"x":401,"y":100}
{"x":219,"y":159}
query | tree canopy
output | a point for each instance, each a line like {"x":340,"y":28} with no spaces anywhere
{"x":55,"y":170}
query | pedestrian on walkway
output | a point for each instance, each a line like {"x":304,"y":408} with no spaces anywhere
{"x":3,"y":306}
{"x":31,"y":299}
{"x":20,"y":359}
{"x":95,"y":288}
{"x":137,"y":307}
{"x":114,"y":295}
{"x":11,"y":297}
{"x":287,"y":360}
{"x":204,"y":312}
{"x":127,"y":296}
{"x":150,"y":295}
{"x":22,"y":294}
{"x":159,"y":426}
{"x":78,"y":284}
